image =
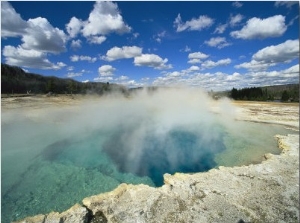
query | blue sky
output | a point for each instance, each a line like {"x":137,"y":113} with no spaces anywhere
{"x":212,"y":45}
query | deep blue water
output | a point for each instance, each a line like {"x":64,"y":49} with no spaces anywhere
{"x":179,"y":150}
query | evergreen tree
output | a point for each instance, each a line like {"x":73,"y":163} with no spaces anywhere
{"x":285,"y":96}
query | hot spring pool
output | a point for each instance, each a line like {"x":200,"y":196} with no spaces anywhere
{"x":53,"y":157}
{"x":44,"y":171}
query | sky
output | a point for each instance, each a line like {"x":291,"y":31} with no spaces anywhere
{"x":211,"y":45}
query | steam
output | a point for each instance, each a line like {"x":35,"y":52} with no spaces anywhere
{"x":149,"y":133}
{"x":153,"y":132}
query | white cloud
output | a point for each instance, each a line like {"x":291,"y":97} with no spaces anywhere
{"x":193,"y":61}
{"x":287,"y":4}
{"x":41,"y":35}
{"x":76,"y":58}
{"x":186,"y":49}
{"x":193,"y":68}
{"x":105,"y":18}
{"x":126,"y":81}
{"x":222,"y":81}
{"x":234,"y":20}
{"x":38,"y":37}
{"x":194,"y":24}
{"x":135,"y":35}
{"x":237,"y":4}
{"x":255,"y":65}
{"x":61,"y":64}
{"x":70,"y":68}
{"x":219,"y":42}
{"x":221,"y":28}
{"x":208,"y":64}
{"x":103,"y":79}
{"x":152,"y":60}
{"x":75,"y":44}
{"x":96,"y":39}
{"x":280,"y":53}
{"x":117,"y":53}
{"x":12,"y":24}
{"x":159,"y":36}
{"x":122,"y":78}
{"x":74,"y":74}
{"x":106,"y":70}
{"x":196,"y":57}
{"x":19,"y":56}
{"x":74,"y":27}
{"x":272,"y":55}
{"x":257,"y":28}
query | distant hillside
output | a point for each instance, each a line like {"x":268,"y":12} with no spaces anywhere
{"x":14,"y":80}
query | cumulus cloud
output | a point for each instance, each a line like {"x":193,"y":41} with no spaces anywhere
{"x":105,"y":18}
{"x":219,"y":42}
{"x":75,"y":44}
{"x":272,"y":55}
{"x":103,"y":79}
{"x":96,"y":39}
{"x":208,"y":64}
{"x":220,"y":81}
{"x":106,"y":70}
{"x":12,"y":24}
{"x":74,"y":27}
{"x":125,"y":52}
{"x":152,"y":60}
{"x":76,"y":58}
{"x":122,"y":78}
{"x":38,"y":37}
{"x":126,"y":81}
{"x":41,"y":35}
{"x":19,"y":56}
{"x":281,"y":53}
{"x":195,"y":24}
{"x":254,"y":65}
{"x":193,"y":68}
{"x":257,"y":28}
{"x":196,"y":57}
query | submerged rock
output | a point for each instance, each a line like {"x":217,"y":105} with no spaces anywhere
{"x":266,"y":192}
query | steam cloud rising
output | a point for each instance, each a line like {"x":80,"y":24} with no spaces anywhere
{"x":53,"y":157}
{"x":153,"y":131}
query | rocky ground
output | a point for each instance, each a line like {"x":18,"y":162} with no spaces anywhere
{"x":265,"y":192}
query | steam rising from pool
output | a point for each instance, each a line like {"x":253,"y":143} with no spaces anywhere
{"x":54,"y":158}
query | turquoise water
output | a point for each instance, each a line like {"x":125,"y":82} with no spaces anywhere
{"x":44,"y":170}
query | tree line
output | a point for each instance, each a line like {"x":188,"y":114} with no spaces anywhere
{"x":15,"y":80}
{"x":282,"y":93}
